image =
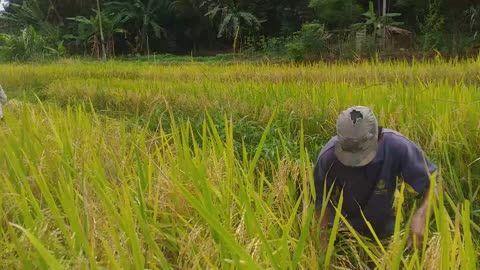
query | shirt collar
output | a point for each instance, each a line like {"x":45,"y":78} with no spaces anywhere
{"x":380,"y":156}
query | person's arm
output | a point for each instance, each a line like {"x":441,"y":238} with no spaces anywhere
{"x":417,"y":171}
{"x":3,"y":96}
{"x":323,"y":225}
{"x":419,"y":219}
{"x":322,"y":187}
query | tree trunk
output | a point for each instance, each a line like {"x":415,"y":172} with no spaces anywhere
{"x":384,"y":12}
{"x":235,"y":40}
{"x":53,"y":9}
{"x":148,"y":47}
{"x":102,"y":39}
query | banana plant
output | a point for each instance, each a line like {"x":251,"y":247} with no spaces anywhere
{"x":376,"y":24}
{"x":232,"y":19}
{"x":146,"y":16}
{"x":89,"y":32}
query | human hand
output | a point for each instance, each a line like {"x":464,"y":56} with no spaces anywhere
{"x":418,"y":230}
{"x":324,"y":241}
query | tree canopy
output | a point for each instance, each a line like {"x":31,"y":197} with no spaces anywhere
{"x":133,"y":27}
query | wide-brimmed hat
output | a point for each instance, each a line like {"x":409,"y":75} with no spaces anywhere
{"x":357,"y":133}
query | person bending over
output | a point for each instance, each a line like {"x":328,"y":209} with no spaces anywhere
{"x":365,"y":160}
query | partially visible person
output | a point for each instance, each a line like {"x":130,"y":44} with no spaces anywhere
{"x":3,"y":100}
{"x":365,"y":160}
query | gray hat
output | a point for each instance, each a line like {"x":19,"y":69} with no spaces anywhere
{"x":357,"y":133}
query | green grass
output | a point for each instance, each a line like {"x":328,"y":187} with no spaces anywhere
{"x":141,"y":166}
{"x":170,"y":59}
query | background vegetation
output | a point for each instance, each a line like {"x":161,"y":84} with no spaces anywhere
{"x":296,"y":30}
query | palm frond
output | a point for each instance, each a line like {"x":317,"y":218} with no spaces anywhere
{"x":158,"y":30}
{"x":224,"y":24}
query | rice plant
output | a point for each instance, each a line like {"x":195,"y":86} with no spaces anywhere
{"x":137,"y":166}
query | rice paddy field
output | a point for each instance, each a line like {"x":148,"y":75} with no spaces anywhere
{"x":197,"y":166}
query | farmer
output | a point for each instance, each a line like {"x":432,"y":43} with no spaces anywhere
{"x":3,"y":100}
{"x":364,"y":160}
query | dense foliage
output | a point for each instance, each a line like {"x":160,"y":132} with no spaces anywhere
{"x":199,"y":27}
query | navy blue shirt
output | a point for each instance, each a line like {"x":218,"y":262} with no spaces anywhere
{"x":371,"y":188}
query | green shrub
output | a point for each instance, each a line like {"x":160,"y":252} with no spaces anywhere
{"x":337,"y":14}
{"x":309,"y":43}
{"x":433,"y":26}
{"x":28,"y":45}
{"x":267,"y":46}
{"x":296,"y":51}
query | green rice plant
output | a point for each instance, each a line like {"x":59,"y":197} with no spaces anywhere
{"x":138,"y":166}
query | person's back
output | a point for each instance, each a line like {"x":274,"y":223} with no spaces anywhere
{"x":3,"y":100}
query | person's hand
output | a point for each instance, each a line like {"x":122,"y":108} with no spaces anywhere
{"x":324,"y":228}
{"x":323,"y":242}
{"x":418,"y":230}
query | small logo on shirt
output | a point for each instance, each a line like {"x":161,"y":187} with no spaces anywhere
{"x":381,"y":187}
